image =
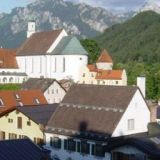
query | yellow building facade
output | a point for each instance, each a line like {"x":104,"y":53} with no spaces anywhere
{"x":102,"y":73}
{"x":16,"y":125}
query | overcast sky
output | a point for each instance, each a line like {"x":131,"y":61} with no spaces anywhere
{"x":7,"y":5}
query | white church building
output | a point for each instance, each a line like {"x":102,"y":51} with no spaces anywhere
{"x":51,"y":54}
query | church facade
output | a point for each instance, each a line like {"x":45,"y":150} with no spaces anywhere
{"x":51,"y":54}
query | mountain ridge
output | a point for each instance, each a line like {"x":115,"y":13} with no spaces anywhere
{"x":77,"y":19}
{"x":134,"y":40}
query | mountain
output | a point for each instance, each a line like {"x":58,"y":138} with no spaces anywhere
{"x":137,"y":39}
{"x":151,"y":5}
{"x":79,"y":19}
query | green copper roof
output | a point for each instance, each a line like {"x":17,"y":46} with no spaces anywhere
{"x":69,"y":45}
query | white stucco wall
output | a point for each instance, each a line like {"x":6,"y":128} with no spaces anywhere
{"x":55,"y":93}
{"x":64,"y":154}
{"x":137,"y":110}
{"x":51,"y":66}
{"x":104,"y":66}
{"x":6,"y":79}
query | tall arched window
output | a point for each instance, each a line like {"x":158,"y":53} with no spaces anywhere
{"x":55,"y":65}
{"x":64,"y":64}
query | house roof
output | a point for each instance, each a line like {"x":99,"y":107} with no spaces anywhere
{"x":8,"y":58}
{"x":83,"y":103}
{"x":38,"y":83}
{"x":38,"y":43}
{"x":146,"y":143}
{"x":66,"y":83}
{"x":20,"y":149}
{"x":104,"y":57}
{"x":39,"y":114}
{"x":26,"y":97}
{"x":69,"y":45}
{"x":92,"y":68}
{"x":109,"y":74}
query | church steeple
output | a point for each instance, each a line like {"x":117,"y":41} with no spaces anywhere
{"x":104,"y":61}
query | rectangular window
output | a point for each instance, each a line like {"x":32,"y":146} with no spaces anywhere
{"x":2,"y":135}
{"x":28,"y":123}
{"x":32,"y":65}
{"x":55,"y":142}
{"x":55,"y":65}
{"x":40,"y":63}
{"x":19,"y":122}
{"x":85,"y":147}
{"x":71,"y":145}
{"x":100,"y":152}
{"x":130,"y":124}
{"x":64,"y":63}
{"x":78,"y":146}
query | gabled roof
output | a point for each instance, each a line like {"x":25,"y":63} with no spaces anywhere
{"x":26,"y":97}
{"x":38,"y":83}
{"x":104,"y":57}
{"x":69,"y":45}
{"x":109,"y":74}
{"x":8,"y":59}
{"x":92,"y":108}
{"x":38,"y":43}
{"x":20,"y":149}
{"x":39,"y":114}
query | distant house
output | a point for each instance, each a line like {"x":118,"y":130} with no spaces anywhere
{"x":9,"y":70}
{"x":102,"y":73}
{"x":135,"y":147}
{"x":9,"y":99}
{"x":22,"y":149}
{"x":26,"y":121}
{"x":90,"y":115}
{"x":51,"y":54}
{"x":52,"y":89}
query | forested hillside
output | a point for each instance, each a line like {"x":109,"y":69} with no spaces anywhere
{"x":135,"y":46}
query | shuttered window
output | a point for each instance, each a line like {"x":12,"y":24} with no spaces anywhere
{"x":19,"y":122}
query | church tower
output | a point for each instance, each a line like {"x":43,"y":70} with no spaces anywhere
{"x":104,"y":61}
{"x":31,"y":28}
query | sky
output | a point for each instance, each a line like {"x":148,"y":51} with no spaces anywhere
{"x":7,"y":5}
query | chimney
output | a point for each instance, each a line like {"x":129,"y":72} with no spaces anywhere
{"x":31,"y":28}
{"x":141,"y":83}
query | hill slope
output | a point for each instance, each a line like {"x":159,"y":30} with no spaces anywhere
{"x":79,"y":19}
{"x":137,"y":39}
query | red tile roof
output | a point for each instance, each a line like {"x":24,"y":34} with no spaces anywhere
{"x":38,"y":43}
{"x":8,"y":58}
{"x":92,"y":68}
{"x":105,"y":57}
{"x":26,"y":97}
{"x":109,"y":74}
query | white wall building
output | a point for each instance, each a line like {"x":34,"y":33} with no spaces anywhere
{"x":9,"y":70}
{"x":99,"y":112}
{"x":51,"y":54}
{"x":52,"y":89}
{"x":102,"y":73}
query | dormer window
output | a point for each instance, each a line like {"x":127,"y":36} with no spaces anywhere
{"x":37,"y":101}
{"x":1,"y":102}
{"x":20,"y":103}
{"x":17,"y":96}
